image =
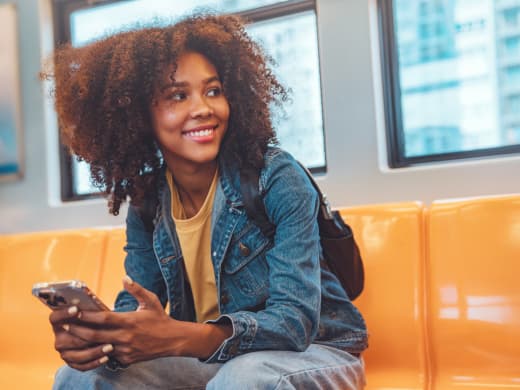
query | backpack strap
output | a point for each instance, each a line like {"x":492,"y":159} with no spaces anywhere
{"x":253,"y":202}
{"x":326,"y":210}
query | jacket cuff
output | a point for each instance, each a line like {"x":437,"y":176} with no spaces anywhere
{"x":244,"y":331}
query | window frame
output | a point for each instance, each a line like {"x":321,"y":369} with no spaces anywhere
{"x":395,"y":142}
{"x":62,"y":9}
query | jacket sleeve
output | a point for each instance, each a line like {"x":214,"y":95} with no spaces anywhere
{"x":140,"y":262}
{"x":290,"y":318}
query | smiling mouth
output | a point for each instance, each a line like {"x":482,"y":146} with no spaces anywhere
{"x":201,"y":134}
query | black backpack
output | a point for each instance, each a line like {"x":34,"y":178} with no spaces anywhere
{"x":340,"y":250}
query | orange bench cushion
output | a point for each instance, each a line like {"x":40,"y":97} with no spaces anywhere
{"x":473,"y":273}
{"x":28,"y":359}
{"x":391,"y":242}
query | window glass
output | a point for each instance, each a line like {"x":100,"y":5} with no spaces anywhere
{"x":290,"y":40}
{"x":90,"y":23}
{"x":81,"y":178}
{"x":459,"y":74}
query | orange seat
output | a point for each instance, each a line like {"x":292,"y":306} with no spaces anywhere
{"x":28,"y":359}
{"x":441,"y":300}
{"x":113,"y":268}
{"x":391,"y":242}
{"x":474,"y":293}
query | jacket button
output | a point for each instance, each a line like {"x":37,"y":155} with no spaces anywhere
{"x":244,"y":250}
{"x":224,"y":299}
{"x":234,"y":349}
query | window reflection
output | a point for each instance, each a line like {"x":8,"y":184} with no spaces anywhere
{"x":292,"y":42}
{"x":459,"y":68}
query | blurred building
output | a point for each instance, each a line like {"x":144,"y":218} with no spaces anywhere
{"x":507,"y":13}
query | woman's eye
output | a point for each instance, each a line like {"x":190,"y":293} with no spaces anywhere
{"x":176,"y":96}
{"x":216,"y":91}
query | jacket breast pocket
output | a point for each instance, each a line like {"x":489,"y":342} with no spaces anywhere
{"x":245,"y":266}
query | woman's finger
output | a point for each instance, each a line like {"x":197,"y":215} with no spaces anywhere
{"x":87,"y":358}
{"x":93,"y":336}
{"x":90,"y":365}
{"x":64,"y":340}
{"x":58,"y":317}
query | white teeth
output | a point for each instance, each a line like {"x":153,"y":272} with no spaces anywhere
{"x":200,"y":133}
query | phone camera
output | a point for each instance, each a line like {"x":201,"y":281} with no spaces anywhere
{"x":43,"y":295}
{"x":52,"y":300}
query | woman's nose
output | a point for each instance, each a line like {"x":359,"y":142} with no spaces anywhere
{"x":201,"y":107}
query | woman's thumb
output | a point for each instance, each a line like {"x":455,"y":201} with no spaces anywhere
{"x":147,"y":300}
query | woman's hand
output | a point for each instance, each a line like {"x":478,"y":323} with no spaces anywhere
{"x":145,"y":334}
{"x":76,"y":352}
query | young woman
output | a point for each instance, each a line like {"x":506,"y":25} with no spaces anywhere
{"x":170,"y":116}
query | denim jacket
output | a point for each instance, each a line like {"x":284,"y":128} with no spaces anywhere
{"x":274,"y":293}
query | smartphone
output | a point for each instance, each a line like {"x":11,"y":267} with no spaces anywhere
{"x":57,"y":295}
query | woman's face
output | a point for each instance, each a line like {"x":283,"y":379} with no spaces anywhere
{"x":190,"y":113}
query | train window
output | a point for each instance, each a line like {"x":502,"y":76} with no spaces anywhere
{"x":287,"y":30}
{"x":451,"y":76}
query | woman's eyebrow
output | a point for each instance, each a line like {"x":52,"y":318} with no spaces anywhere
{"x":211,"y":79}
{"x":183,"y":84}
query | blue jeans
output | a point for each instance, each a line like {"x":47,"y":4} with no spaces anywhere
{"x":319,"y":367}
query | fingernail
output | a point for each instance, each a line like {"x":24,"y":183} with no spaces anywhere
{"x":72,"y":310}
{"x":128,"y":280}
{"x":103,"y":360}
{"x":107,"y":348}
{"x":66,"y":327}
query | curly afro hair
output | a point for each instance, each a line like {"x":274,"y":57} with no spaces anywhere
{"x":104,"y":90}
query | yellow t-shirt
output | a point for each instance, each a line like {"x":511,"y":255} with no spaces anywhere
{"x":195,"y":238}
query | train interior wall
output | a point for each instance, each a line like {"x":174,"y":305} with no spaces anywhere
{"x":357,"y":171}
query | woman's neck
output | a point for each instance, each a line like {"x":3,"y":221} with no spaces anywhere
{"x":193,"y":186}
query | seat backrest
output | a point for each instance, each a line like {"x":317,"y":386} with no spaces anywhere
{"x":391,"y":241}
{"x":29,"y":258}
{"x":473,"y":268}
